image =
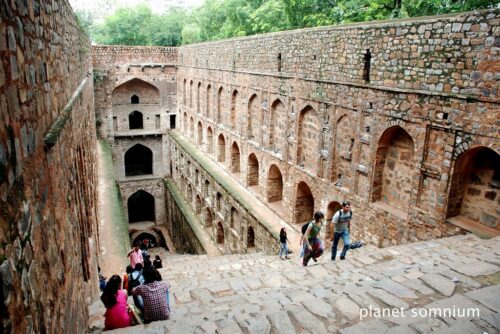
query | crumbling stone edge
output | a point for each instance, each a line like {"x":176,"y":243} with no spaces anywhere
{"x":191,"y":219}
{"x":202,"y":161}
{"x":56,"y":128}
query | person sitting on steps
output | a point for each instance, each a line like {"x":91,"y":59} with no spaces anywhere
{"x":154,"y":296}
{"x":115,"y":301}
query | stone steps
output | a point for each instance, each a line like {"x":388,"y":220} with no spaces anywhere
{"x":263,"y":294}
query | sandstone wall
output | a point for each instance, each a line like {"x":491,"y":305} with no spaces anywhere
{"x":336,"y":111}
{"x":48,"y":220}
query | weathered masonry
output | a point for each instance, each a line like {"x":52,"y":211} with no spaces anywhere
{"x":398,"y":117}
{"x":48,"y":220}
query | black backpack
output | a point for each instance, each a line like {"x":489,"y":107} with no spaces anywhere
{"x":304,"y":228}
{"x":133,"y":282}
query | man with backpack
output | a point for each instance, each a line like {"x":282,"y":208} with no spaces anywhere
{"x":135,"y":279}
{"x":341,"y":224}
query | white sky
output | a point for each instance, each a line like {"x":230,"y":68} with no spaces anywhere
{"x":102,"y":8}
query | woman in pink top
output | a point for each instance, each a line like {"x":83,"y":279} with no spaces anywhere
{"x":115,"y":300}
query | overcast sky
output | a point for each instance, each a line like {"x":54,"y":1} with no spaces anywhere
{"x":103,"y":8}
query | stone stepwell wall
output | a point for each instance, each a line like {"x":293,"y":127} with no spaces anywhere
{"x":107,"y":56}
{"x":455,"y":54}
{"x":48,"y":218}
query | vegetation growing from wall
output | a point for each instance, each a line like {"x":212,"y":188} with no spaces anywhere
{"x":219,"y":19}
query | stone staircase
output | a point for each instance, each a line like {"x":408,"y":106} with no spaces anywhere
{"x":263,"y":294}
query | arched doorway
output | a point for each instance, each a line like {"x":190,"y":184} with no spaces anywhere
{"x":208,"y":110}
{"x":191,"y":128}
{"x":304,"y":204}
{"x":393,"y":169}
{"x":235,"y":219}
{"x":274,"y":184}
{"x":277,"y":126}
{"x":141,"y":207}
{"x":475,"y":187}
{"x":253,"y":170}
{"x":135,"y":120}
{"x":198,"y":204}
{"x":221,"y":156}
{"x":220,"y":233}
{"x":138,"y":161}
{"x":234,"y":110}
{"x":250,"y":237}
{"x":134,"y":99}
{"x":235,"y":158}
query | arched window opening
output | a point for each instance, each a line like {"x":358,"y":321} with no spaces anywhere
{"x":253,"y":170}
{"x":135,"y":120}
{"x":393,"y":169}
{"x":475,"y":188}
{"x":138,"y":161}
{"x":220,"y":233}
{"x":274,"y":184}
{"x":304,"y":204}
{"x":235,"y":158}
{"x":222,"y":149}
{"x":250,"y":237}
{"x":134,"y":99}
{"x":141,"y":207}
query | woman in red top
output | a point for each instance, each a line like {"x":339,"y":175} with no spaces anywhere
{"x":115,"y":300}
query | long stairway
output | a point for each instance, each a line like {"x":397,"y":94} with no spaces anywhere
{"x":263,"y":294}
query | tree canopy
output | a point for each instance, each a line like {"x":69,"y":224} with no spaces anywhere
{"x":218,"y":19}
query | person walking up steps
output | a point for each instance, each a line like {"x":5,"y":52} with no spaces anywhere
{"x":341,"y":224}
{"x":283,"y":245}
{"x":313,"y":246}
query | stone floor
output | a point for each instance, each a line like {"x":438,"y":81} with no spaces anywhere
{"x":399,"y":289}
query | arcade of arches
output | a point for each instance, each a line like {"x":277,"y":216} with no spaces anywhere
{"x":407,"y":178}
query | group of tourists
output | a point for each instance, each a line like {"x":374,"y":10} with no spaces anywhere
{"x":142,"y":281}
{"x":312,"y":246}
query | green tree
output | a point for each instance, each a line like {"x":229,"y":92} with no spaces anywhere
{"x":85,"y":21}
{"x":127,"y":26}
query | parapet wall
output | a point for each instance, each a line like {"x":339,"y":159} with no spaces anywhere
{"x":48,"y":218}
{"x":456,"y":54}
{"x":107,"y":56}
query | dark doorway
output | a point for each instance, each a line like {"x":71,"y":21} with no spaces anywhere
{"x":135,"y":120}
{"x":134,"y":99}
{"x":141,"y":207}
{"x":138,"y":161}
{"x":172,"y":121}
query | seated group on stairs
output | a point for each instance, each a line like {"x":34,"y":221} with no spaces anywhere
{"x":142,"y":281}
{"x":312,"y":246}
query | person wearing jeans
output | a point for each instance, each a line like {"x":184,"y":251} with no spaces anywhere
{"x":283,"y":245}
{"x":341,"y":221}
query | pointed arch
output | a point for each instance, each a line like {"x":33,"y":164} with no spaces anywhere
{"x":220,"y":92}
{"x":308,"y":137}
{"x":138,"y":161}
{"x":141,"y":207}
{"x":277,"y":126}
{"x":221,"y":145}
{"x":135,"y":120}
{"x":200,"y":134}
{"x":191,"y":128}
{"x":234,"y":118}
{"x":253,"y":170}
{"x":210,"y":140}
{"x":135,"y":91}
{"x":191,"y":94}
{"x":198,"y":98}
{"x":208,"y":110}
{"x":235,"y":158}
{"x":394,"y":168}
{"x":274,"y":184}
{"x":252,"y":117}
{"x":475,"y":187}
{"x":304,"y":204}
{"x":220,"y":233}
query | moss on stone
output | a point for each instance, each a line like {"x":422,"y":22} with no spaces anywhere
{"x":189,"y":214}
